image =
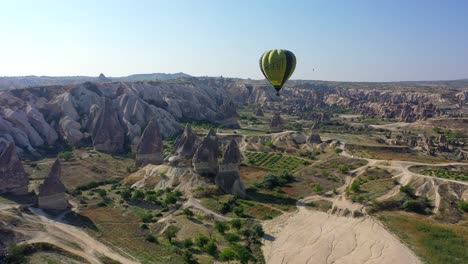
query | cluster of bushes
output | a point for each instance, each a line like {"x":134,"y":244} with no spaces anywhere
{"x":162,"y":198}
{"x":233,"y":232}
{"x":250,"y":119}
{"x":410,"y":202}
{"x":463,"y":206}
{"x":294,"y":127}
{"x":93,"y":185}
{"x":66,"y":155}
{"x":309,"y":154}
{"x":271,"y":181}
{"x":17,"y":253}
{"x":206,"y":191}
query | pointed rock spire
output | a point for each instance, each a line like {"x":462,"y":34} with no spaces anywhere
{"x":52,"y":191}
{"x":205,"y":160}
{"x":108,"y":133}
{"x":275,"y":124}
{"x":185,"y":145}
{"x":228,"y":177}
{"x":150,"y":148}
{"x":13,"y":178}
{"x":259,"y":112}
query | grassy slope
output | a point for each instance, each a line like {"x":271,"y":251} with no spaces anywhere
{"x":435,"y":243}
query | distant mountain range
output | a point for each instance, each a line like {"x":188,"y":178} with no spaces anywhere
{"x":31,"y":80}
{"x":16,"y":82}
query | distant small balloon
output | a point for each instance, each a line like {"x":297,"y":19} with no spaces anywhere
{"x":277,"y":66}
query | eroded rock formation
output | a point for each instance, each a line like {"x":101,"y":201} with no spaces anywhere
{"x":259,"y":112}
{"x":230,"y":116}
{"x":150,"y":148}
{"x":108,"y":134}
{"x":314,"y":139}
{"x":205,"y":160}
{"x":276,"y":123}
{"x":52,"y":191}
{"x":185,"y":146}
{"x":13,"y":178}
{"x":228,"y":177}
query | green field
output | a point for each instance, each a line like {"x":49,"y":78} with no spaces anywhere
{"x":459,"y":173}
{"x":435,"y":243}
{"x":274,"y":161}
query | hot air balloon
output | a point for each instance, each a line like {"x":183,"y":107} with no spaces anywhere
{"x":277,"y":66}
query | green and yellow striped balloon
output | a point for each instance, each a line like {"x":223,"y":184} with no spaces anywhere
{"x":277,"y":65}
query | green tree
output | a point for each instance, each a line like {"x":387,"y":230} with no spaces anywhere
{"x":137,"y":195}
{"x":188,"y":257}
{"x":257,"y":230}
{"x":171,"y":232}
{"x":236,"y":223}
{"x":221,"y":227}
{"x":188,"y":243}
{"x":201,"y":241}
{"x":318,"y":188}
{"x":211,"y":248}
{"x":242,"y":254}
{"x":355,"y":186}
{"x":344,"y":168}
{"x":66,"y":156}
{"x":151,"y":238}
{"x":188,"y":213}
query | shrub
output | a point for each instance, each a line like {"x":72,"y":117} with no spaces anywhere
{"x":171,"y":198}
{"x":239,"y":211}
{"x":344,"y":168}
{"x":66,"y":156}
{"x":318,"y":188}
{"x":151,"y":238}
{"x":269,"y":144}
{"x":232,"y":238}
{"x":338,"y":150}
{"x":188,"y":257}
{"x":144,"y":226}
{"x":188,"y":243}
{"x":463,"y":206}
{"x":408,"y":191}
{"x":257,"y":230}
{"x":102,"y":192}
{"x":126,"y":194}
{"x":242,"y":254}
{"x":420,"y":206}
{"x":211,"y":248}
{"x":201,"y":241}
{"x":171,"y":232}
{"x":227,"y":255}
{"x":137,"y":195}
{"x":221,"y":227}
{"x":236,"y":223}
{"x":152,"y":198}
{"x":355,"y":186}
{"x":188,"y":213}
{"x":147,"y":218}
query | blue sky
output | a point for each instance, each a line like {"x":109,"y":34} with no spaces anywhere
{"x":342,"y":40}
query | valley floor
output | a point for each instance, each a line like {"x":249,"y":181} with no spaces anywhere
{"x":317,"y":237}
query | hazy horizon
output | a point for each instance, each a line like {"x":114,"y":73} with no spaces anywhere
{"x":232,"y":77}
{"x":363,"y":41}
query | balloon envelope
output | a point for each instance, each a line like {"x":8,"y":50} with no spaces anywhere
{"x":277,"y":66}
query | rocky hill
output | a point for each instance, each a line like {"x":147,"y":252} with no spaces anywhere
{"x":111,"y":116}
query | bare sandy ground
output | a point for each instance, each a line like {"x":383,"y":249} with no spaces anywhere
{"x":67,"y":237}
{"x":317,"y":237}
